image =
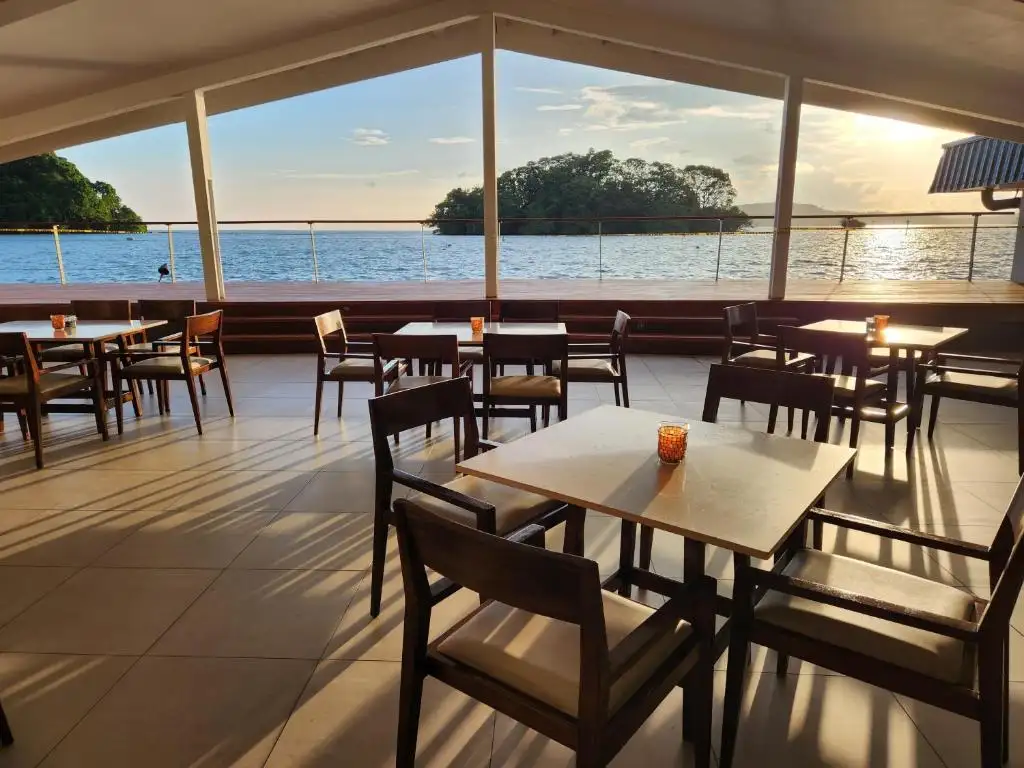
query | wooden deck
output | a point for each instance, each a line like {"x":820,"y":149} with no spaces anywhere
{"x":876,"y":291}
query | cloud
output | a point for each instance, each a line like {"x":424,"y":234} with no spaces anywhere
{"x":551,"y":91}
{"x":369,"y":137}
{"x":345,"y":176}
{"x":644,"y":143}
{"x":625,"y":108}
{"x":451,"y":140}
{"x":565,"y":131}
{"x":747,"y":160}
{"x":730,"y":113}
{"x":772,"y":169}
{"x":559,"y":107}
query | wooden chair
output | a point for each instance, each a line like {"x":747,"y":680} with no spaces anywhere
{"x":6,"y":737}
{"x":491,"y":507}
{"x":390,"y":349}
{"x":857,"y":396}
{"x":976,"y":379}
{"x":115,"y":310}
{"x":28,"y":388}
{"x":461,"y":312}
{"x":504,"y":395}
{"x":165,"y":337}
{"x":180,"y":365}
{"x":759,"y":385}
{"x":602,"y":363}
{"x":341,"y":360}
{"x":927,"y":640}
{"x":549,"y":648}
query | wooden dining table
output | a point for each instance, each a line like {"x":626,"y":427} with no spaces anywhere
{"x":93,"y":336}
{"x":743,"y":491}
{"x":464,"y":331}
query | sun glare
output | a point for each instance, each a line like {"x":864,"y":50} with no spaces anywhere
{"x":893,"y":130}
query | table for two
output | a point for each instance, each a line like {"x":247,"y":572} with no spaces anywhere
{"x":93,"y":336}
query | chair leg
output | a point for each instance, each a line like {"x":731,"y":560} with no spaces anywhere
{"x":933,"y":415}
{"x":890,"y":435}
{"x":410,"y":695}
{"x":118,"y":404}
{"x":790,"y":418}
{"x":646,"y":548}
{"x":1020,"y":440}
{"x":457,"y":432}
{"x":804,"y":419}
{"x":546,"y":413}
{"x":6,"y":737}
{"x":485,"y":419}
{"x":735,"y":671}
{"x":854,"y":434}
{"x":615,"y":385}
{"x":192,"y":396}
{"x":149,"y":386}
{"x":160,"y":397}
{"x":781,"y":665}
{"x":341,"y":394}
{"x":166,"y":386}
{"x":319,"y":400}
{"x":1006,"y":698}
{"x":226,"y":384}
{"x":35,"y":427}
{"x":202,"y":385}
{"x":23,"y":423}
{"x":990,"y":689}
{"x":380,"y":553}
{"x":575,"y":522}
{"x":533,"y":419}
{"x":773,"y":415}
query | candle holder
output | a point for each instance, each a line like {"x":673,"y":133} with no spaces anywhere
{"x":672,"y":438}
{"x":476,"y":324}
{"x":881,"y":323}
{"x":57,"y":321}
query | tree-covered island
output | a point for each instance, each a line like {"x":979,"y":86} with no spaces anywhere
{"x":592,"y":186}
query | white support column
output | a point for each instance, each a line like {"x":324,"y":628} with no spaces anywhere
{"x":202,"y":184}
{"x":787,"y":179}
{"x":1017,"y":268}
{"x":490,"y":141}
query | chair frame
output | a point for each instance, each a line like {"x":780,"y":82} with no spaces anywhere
{"x":502,"y":348}
{"x":613,"y":350}
{"x":963,"y":364}
{"x":197,"y":329}
{"x":562,"y":587}
{"x":410,"y":408}
{"x":989,"y":635}
{"x":32,"y":403}
{"x":174,"y":311}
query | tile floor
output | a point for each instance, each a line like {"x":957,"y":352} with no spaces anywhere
{"x":171,"y":600}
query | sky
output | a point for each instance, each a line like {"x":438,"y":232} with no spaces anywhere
{"x":392,"y":147}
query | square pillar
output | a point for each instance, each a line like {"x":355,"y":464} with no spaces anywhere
{"x":202,"y":185}
{"x":490,"y":142}
{"x":786,"y":182}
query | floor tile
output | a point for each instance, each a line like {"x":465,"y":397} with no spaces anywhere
{"x":187,"y":540}
{"x":336,"y":492}
{"x":348,"y":715}
{"x":22,"y":586}
{"x":46,"y":695}
{"x":168,"y":713}
{"x":310,"y":540}
{"x":65,"y":537}
{"x":117,"y":611}
{"x":270,"y":614}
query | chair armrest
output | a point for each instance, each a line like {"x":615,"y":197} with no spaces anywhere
{"x":359,"y":345}
{"x":976,"y":371}
{"x":889,"y":531}
{"x":595,"y":356}
{"x":749,"y":346}
{"x":958,"y":629}
{"x":524,"y":534}
{"x":586,"y":348}
{"x":86,"y":361}
{"x":487,"y":445}
{"x":440,"y":492}
{"x":978,"y":358}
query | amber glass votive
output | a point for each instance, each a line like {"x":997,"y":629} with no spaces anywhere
{"x":881,"y":323}
{"x":57,"y":321}
{"x":476,"y":324}
{"x":672,"y":437}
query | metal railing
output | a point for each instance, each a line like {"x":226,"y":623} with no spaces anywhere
{"x":719,"y":227}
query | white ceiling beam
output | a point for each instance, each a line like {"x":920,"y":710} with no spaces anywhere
{"x":339,"y":42}
{"x":977,"y":93}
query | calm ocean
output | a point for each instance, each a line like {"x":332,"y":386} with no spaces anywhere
{"x":915,"y":253}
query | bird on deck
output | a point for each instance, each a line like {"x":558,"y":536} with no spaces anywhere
{"x":164,"y":272}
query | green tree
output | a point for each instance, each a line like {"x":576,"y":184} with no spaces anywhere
{"x":48,"y":188}
{"x":591,"y":186}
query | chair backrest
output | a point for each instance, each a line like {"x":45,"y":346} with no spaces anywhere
{"x":102,"y":309}
{"x":410,"y":408}
{"x":772,"y":387}
{"x":516,"y":347}
{"x":537,"y":311}
{"x":461,"y":311}
{"x":851,"y":349}
{"x":174,"y":311}
{"x":533,"y":579}
{"x":740,"y":324}
{"x":16,"y":345}
{"x":620,"y":330}
{"x":1006,"y":565}
{"x":203,"y":326}
{"x":328,"y":325}
{"x":400,"y":346}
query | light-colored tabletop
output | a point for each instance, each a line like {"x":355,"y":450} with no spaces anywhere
{"x":923,"y":337}
{"x":465,"y":333}
{"x":86,"y":332}
{"x":742,"y":490}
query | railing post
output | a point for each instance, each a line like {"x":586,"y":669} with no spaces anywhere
{"x":423,"y":249}
{"x":842,"y":264}
{"x":718,"y":259}
{"x":60,"y":256}
{"x":600,"y":252}
{"x":974,"y":242}
{"x":170,"y":254}
{"x":312,"y":245}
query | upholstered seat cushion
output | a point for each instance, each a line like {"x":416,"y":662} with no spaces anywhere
{"x":846,"y":387}
{"x":167,"y":365}
{"x":540,"y":657}
{"x":767,"y":358}
{"x":357,"y":368}
{"x":934,"y":655}
{"x":587,"y":369}
{"x":538,"y":387}
{"x":513,"y":508}
{"x":49,"y":383}
{"x":70,"y":353}
{"x":967,"y":383}
{"x":411,"y":382}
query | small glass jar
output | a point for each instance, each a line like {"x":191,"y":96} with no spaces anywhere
{"x":57,"y":322}
{"x":476,"y":324}
{"x":672,"y":438}
{"x":71,"y":321}
{"x":881,"y":323}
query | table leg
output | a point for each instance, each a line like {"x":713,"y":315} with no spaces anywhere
{"x":627,"y":554}
{"x":99,"y":368}
{"x":694,"y":559}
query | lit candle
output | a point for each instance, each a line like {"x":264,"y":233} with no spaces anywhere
{"x":57,"y":321}
{"x":476,"y":324}
{"x":672,"y":441}
{"x":881,"y":323}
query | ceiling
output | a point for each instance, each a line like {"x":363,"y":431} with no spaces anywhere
{"x":76,"y":70}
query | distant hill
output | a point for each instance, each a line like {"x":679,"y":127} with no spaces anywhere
{"x":809,"y":209}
